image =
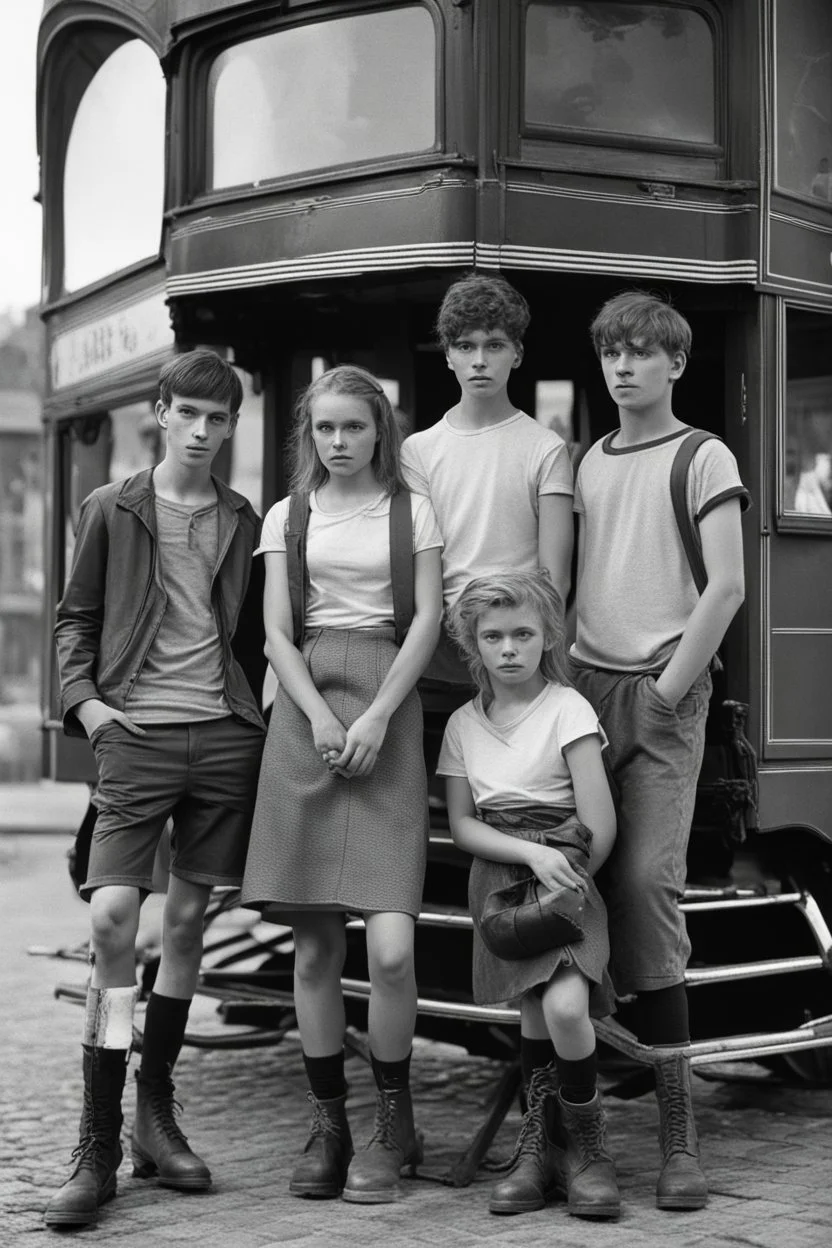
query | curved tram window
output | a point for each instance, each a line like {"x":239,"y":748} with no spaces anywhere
{"x":115,"y":168}
{"x":807,"y":487}
{"x":804,"y":97}
{"x":330,"y":93}
{"x":634,"y":69}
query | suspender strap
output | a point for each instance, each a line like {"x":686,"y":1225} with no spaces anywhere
{"x":679,"y":498}
{"x":297,"y":522}
{"x":401,"y":562}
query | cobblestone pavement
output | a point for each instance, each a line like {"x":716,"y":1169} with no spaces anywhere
{"x":768,"y":1148}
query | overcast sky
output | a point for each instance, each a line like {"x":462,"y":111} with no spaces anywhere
{"x":20,"y":218}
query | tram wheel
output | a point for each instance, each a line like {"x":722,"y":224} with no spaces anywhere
{"x":812,"y":1067}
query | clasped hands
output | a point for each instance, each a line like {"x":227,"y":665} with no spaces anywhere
{"x":349,"y":752}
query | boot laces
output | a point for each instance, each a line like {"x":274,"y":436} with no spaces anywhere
{"x":87,"y":1153}
{"x":164,"y":1108}
{"x":384,"y":1128}
{"x":531,"y":1139}
{"x":322,"y":1122}
{"x":589,"y":1135}
{"x":91,"y":1147}
{"x":674,"y":1117}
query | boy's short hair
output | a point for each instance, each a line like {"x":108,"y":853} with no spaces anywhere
{"x":635,"y":316}
{"x":201,"y":375}
{"x":480,"y":302}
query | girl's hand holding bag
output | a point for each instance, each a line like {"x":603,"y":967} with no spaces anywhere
{"x":524,"y":918}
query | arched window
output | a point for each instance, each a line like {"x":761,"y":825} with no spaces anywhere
{"x":114,"y":170}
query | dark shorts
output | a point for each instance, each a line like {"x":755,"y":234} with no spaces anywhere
{"x":202,"y":775}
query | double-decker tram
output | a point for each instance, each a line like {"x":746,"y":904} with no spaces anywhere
{"x":296,"y":182}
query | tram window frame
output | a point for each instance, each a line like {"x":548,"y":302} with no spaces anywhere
{"x":822,"y":204}
{"x":198,"y":60}
{"x":71,"y":64}
{"x":788,"y":518}
{"x":601,"y":151}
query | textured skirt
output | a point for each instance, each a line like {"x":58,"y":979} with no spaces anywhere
{"x":321,"y":841}
{"x":498,"y":979}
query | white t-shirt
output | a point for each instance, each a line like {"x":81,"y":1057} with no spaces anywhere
{"x":348,"y":558}
{"x":484,"y":485}
{"x":635,"y":589}
{"x":520,"y":763}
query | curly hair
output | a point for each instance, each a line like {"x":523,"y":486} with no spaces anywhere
{"x":511,"y":589}
{"x":306,"y":470}
{"x":479,"y":302}
{"x":201,"y":375}
{"x":637,"y":317}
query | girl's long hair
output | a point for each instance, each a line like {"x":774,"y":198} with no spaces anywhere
{"x":511,"y":589}
{"x":306,"y":470}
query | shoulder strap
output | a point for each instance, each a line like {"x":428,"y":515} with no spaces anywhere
{"x":401,"y":562}
{"x":297,"y":522}
{"x":679,"y":498}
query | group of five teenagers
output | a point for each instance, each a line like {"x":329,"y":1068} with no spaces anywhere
{"x":520,"y":759}
{"x":340,"y":822}
{"x":159,"y":597}
{"x":341,"y":813}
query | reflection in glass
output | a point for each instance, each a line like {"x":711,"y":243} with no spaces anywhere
{"x":627,"y":69}
{"x":329,"y":93}
{"x":808,"y":460}
{"x":804,"y":97}
{"x":115,"y":168}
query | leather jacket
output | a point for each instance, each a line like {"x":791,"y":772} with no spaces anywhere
{"x":114,"y":601}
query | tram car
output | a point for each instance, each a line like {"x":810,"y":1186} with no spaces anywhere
{"x":296,"y":182}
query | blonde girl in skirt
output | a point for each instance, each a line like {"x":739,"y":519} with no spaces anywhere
{"x":519,"y":760}
{"x":341,"y":820}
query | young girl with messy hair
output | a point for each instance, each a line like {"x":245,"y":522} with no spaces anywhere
{"x":520,"y":759}
{"x":341,"y":818}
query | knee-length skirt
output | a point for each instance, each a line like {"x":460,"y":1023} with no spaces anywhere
{"x":320,"y":840}
{"x":498,"y":979}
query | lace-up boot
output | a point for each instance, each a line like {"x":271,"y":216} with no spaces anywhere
{"x":158,"y":1145}
{"x":681,"y":1185}
{"x":395,"y":1145}
{"x":533,"y":1165}
{"x":588,"y":1169}
{"x":322,"y":1168}
{"x":98,"y":1155}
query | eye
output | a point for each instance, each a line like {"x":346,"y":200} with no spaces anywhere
{"x":323,"y":427}
{"x":357,"y":427}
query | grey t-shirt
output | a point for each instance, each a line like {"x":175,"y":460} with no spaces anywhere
{"x":182,"y":679}
{"x":635,"y":589}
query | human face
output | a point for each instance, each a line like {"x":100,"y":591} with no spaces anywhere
{"x":639,"y":376}
{"x":482,"y":360}
{"x":511,"y":642}
{"x":345,"y":434}
{"x":196,"y":429}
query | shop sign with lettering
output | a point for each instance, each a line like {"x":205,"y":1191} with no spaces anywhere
{"x":111,"y":342}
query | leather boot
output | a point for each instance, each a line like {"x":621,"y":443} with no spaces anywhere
{"x":322,"y":1168}
{"x":681,"y":1185}
{"x":395,"y":1145}
{"x":157,"y":1145}
{"x":534,"y":1163}
{"x":98,"y":1155}
{"x":588,"y":1169}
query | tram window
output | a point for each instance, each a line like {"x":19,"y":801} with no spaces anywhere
{"x":554,"y":403}
{"x":114,"y":169}
{"x":246,"y":447}
{"x":99,"y":449}
{"x":804,"y":97}
{"x":807,"y":462}
{"x":629,"y":69}
{"x":328,"y":93}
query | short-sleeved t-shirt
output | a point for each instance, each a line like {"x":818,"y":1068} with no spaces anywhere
{"x":522,"y":762}
{"x":484,"y":485}
{"x":635,"y":590}
{"x":183,"y":676}
{"x":348,"y":558}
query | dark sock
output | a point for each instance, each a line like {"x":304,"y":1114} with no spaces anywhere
{"x":326,"y":1076}
{"x":661,"y":1016}
{"x":578,"y":1079}
{"x":534,"y":1054}
{"x":164,"y":1031}
{"x":392,"y":1076}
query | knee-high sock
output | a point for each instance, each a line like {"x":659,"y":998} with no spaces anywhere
{"x":164,"y":1031}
